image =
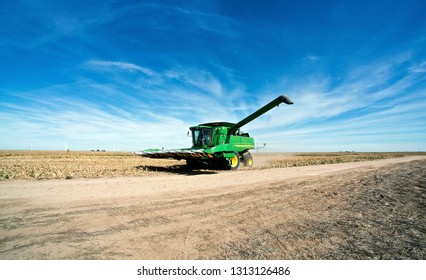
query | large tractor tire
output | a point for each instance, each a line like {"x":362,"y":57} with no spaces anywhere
{"x":234,"y":162}
{"x":248,"y":160}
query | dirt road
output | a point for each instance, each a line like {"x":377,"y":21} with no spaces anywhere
{"x":363,"y":210}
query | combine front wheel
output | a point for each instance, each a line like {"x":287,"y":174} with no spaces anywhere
{"x":234,"y":162}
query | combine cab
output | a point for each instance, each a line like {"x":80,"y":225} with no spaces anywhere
{"x":218,"y":144}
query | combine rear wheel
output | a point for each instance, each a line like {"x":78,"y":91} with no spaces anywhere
{"x":248,"y":160}
{"x":234,"y":162}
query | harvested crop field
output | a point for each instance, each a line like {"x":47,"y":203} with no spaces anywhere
{"x":348,"y":210}
{"x":42,"y":165}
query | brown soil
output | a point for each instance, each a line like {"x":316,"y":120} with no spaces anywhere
{"x":362,"y":210}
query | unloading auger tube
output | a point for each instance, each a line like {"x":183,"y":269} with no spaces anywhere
{"x":277,"y":101}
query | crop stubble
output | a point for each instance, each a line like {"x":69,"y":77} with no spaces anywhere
{"x":42,"y":165}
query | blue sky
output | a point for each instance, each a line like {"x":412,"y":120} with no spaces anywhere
{"x":132,"y":75}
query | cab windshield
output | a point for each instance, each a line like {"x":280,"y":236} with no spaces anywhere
{"x":202,"y":137}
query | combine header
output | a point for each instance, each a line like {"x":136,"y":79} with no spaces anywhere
{"x":218,"y":144}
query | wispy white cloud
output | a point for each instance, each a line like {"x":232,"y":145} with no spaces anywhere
{"x":40,"y":23}
{"x":313,"y":57}
{"x":118,"y":65}
{"x":201,"y":17}
{"x":419,"y":67}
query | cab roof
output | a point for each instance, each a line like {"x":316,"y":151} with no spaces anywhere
{"x":227,"y":124}
{"x":214,"y":124}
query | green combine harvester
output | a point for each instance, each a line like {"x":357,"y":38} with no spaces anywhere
{"x":218,"y":144}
